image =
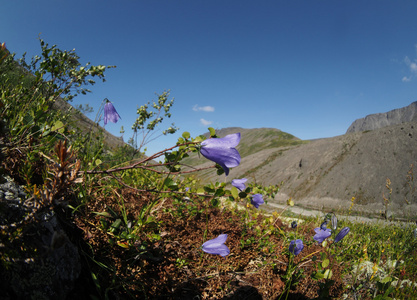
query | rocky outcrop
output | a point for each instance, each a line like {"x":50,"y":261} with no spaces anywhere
{"x":380,"y":120}
{"x":38,"y":259}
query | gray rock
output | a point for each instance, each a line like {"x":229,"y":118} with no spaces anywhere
{"x":42,"y":262}
{"x":380,"y":120}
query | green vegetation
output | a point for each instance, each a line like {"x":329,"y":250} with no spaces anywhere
{"x":136,"y":227}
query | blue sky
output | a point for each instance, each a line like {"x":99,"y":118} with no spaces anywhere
{"x":309,"y":68}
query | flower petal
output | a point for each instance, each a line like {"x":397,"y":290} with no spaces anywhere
{"x":217,"y":246}
{"x":222,"y":151}
{"x":257,"y":200}
{"x":296,"y":246}
{"x":221,"y":250}
{"x":342,"y":233}
{"x":229,"y":141}
{"x":239,"y":183}
{"x":110,"y":113}
{"x":321,"y":235}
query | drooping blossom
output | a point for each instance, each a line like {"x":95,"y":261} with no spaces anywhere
{"x":222,"y":151}
{"x":257,"y":200}
{"x":321,"y":234}
{"x":217,"y":246}
{"x":342,"y":233}
{"x":294,"y":224}
{"x":334,"y":222}
{"x":296,"y":246}
{"x":239,"y":183}
{"x":110,"y":113}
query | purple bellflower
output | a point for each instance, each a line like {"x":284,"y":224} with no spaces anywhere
{"x":296,"y":246}
{"x":222,"y":151}
{"x":217,"y":246}
{"x":342,"y":233}
{"x":257,"y":200}
{"x":239,"y":183}
{"x":321,"y":234}
{"x":110,"y":113}
{"x":294,"y":224}
{"x":323,"y":225}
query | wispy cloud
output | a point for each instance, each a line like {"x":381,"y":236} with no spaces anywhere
{"x":412,"y":65}
{"x":205,"y":122}
{"x":203,"y":108}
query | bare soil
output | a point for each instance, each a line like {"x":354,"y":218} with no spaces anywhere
{"x":175,"y":267}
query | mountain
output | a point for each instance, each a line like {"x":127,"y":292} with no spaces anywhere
{"x":85,"y":124}
{"x":252,"y":141}
{"x":375,"y":121}
{"x":327,"y":173}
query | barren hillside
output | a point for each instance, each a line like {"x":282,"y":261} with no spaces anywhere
{"x":327,"y":173}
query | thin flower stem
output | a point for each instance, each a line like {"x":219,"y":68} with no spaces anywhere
{"x":135,"y":165}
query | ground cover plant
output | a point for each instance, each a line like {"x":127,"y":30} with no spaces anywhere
{"x":91,"y":223}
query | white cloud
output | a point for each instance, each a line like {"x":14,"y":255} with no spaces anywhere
{"x":411,"y":64}
{"x":203,"y":108}
{"x":205,"y":122}
{"x":413,"y":67}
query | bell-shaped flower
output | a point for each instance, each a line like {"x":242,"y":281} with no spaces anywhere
{"x":321,"y":234}
{"x":110,"y":113}
{"x":296,"y":246}
{"x":239,"y":183}
{"x":342,"y":233}
{"x":217,"y":246}
{"x":257,"y":200}
{"x":222,"y":151}
{"x":323,"y":225}
{"x":294,"y":224}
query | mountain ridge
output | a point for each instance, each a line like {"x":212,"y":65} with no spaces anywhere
{"x":379,"y":120}
{"x":326,"y":173}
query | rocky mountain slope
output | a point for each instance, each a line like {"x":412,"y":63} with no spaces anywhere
{"x":375,"y":121}
{"x":327,"y":173}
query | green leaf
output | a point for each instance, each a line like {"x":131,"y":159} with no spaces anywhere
{"x":219,"y":192}
{"x":200,"y":190}
{"x":168,"y":182}
{"x":318,"y":276}
{"x":209,"y":189}
{"x":290,"y":202}
{"x":186,"y":135}
{"x":104,"y":214}
{"x":328,"y":274}
{"x":215,"y":202}
{"x":220,"y":170}
{"x":116,"y":224}
{"x":235,"y":192}
{"x":198,"y":139}
{"x":325,"y":263}
{"x":243,"y":195}
{"x":212,"y":131}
